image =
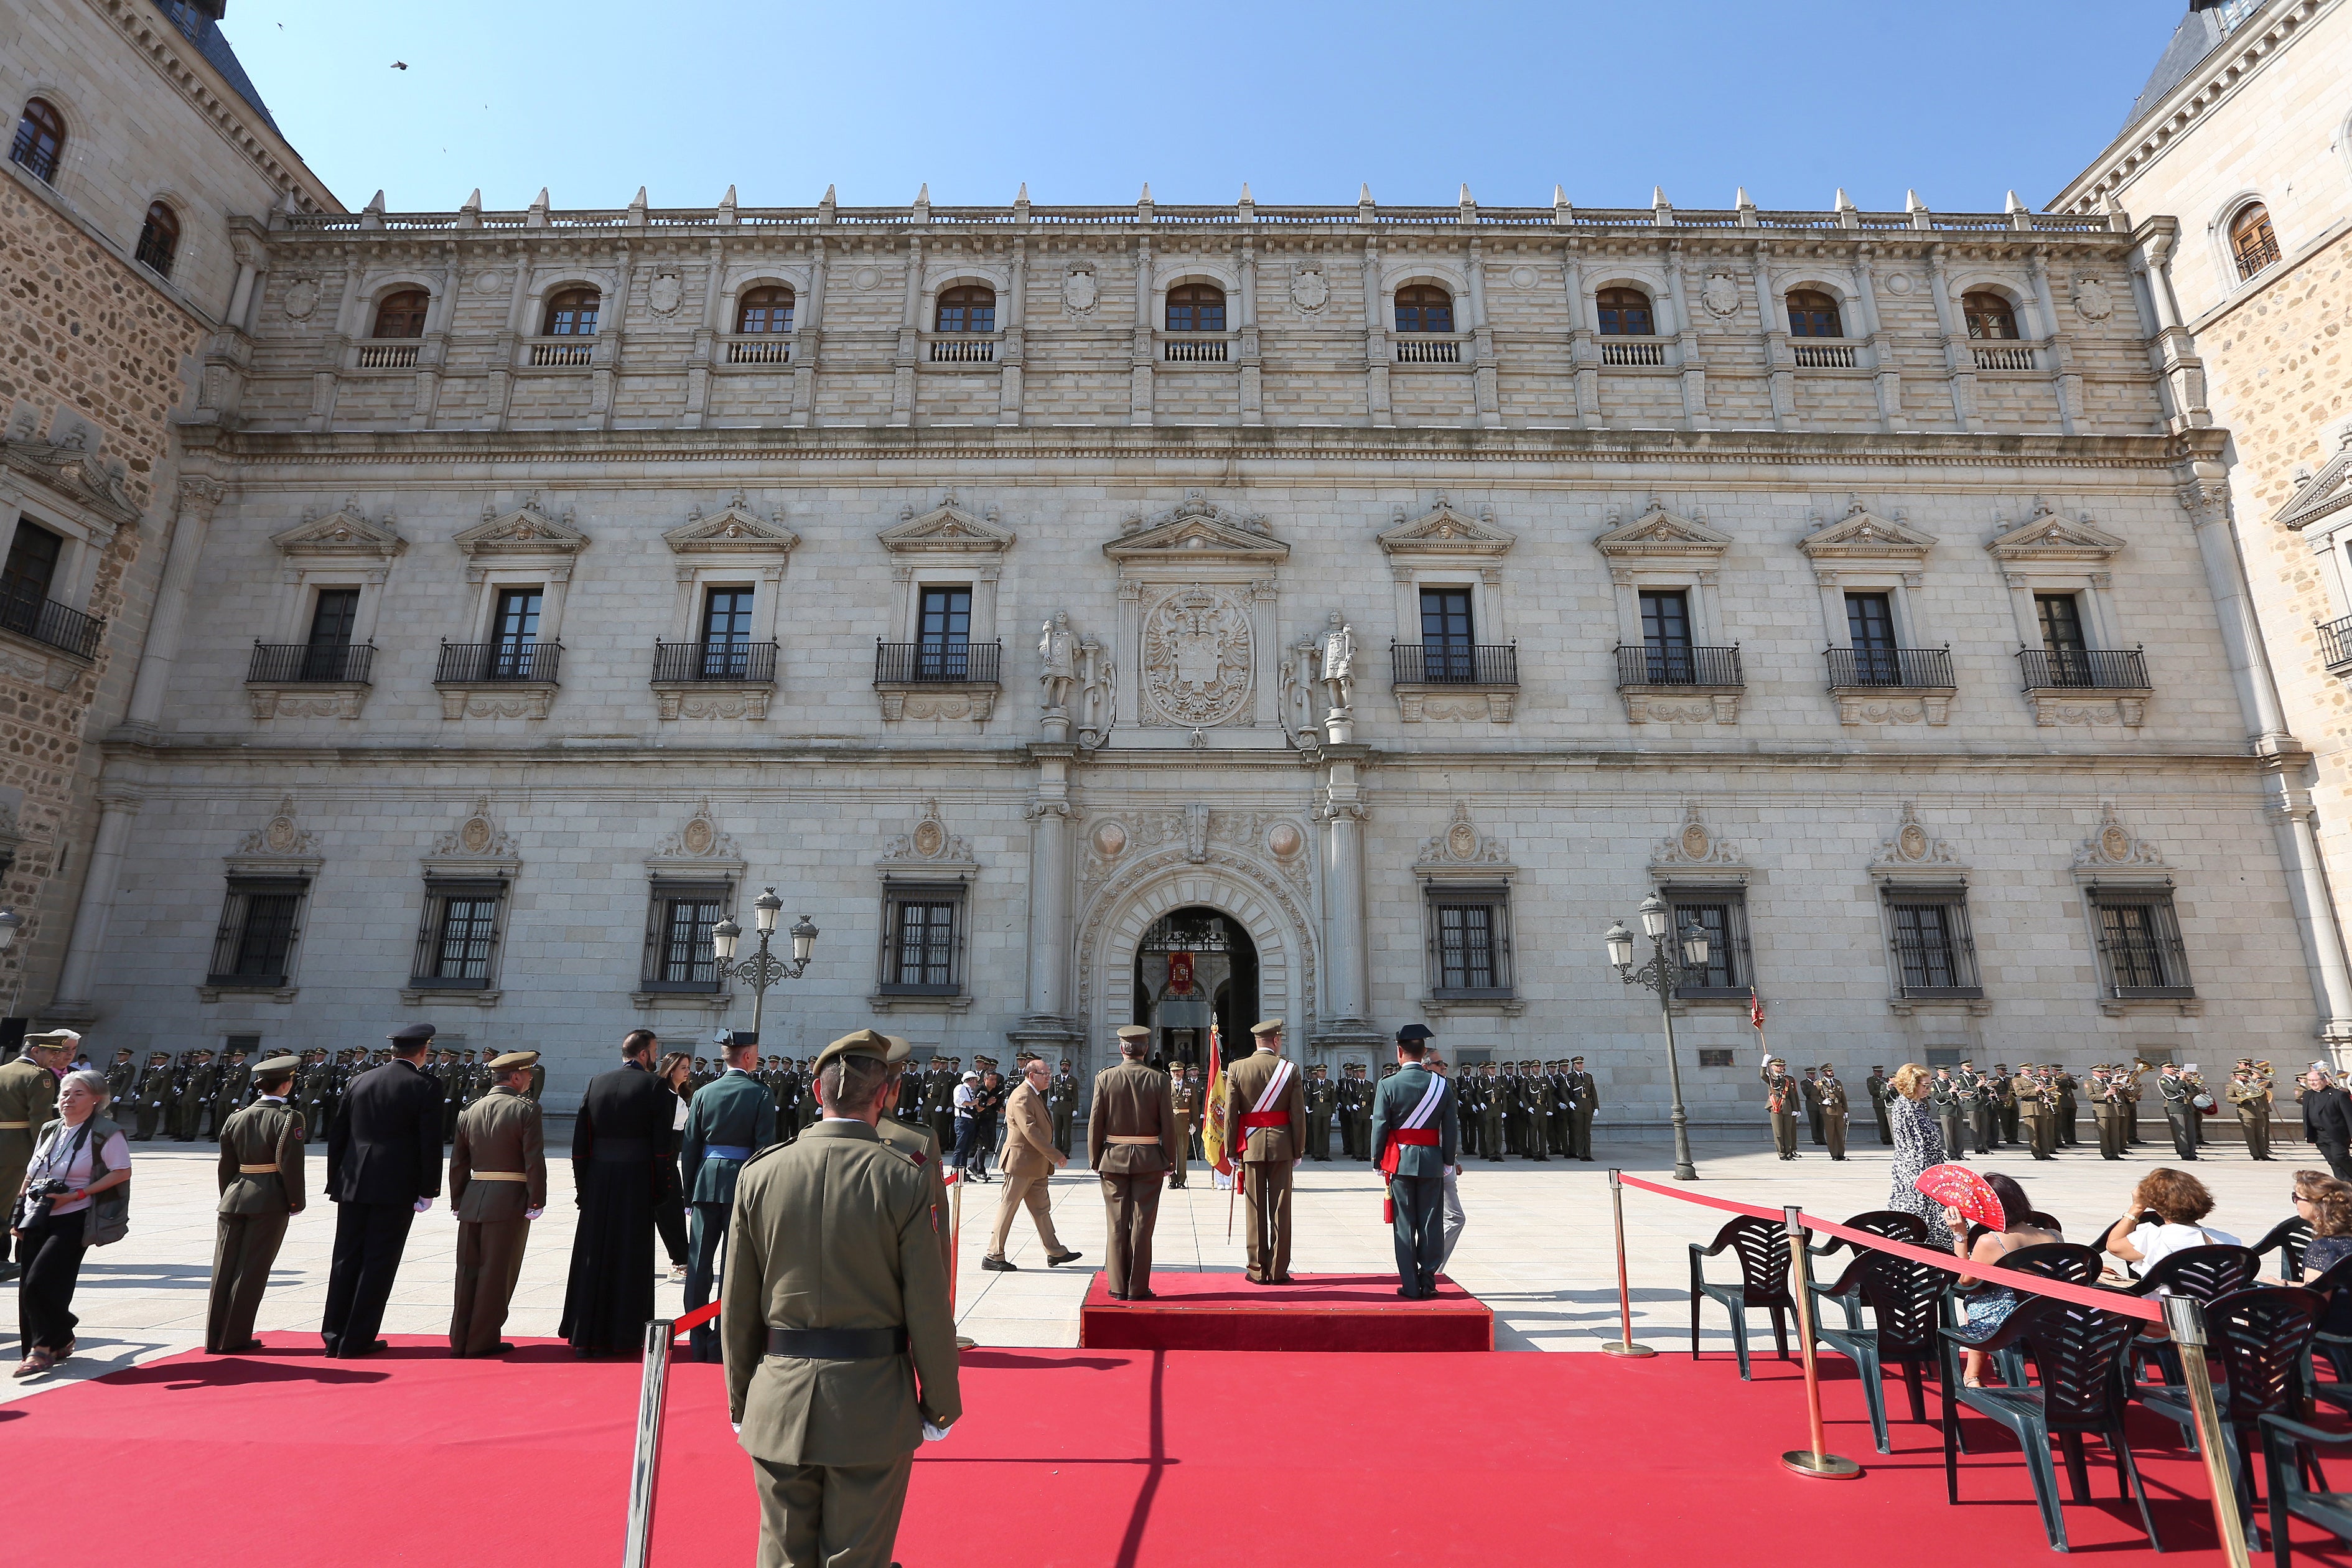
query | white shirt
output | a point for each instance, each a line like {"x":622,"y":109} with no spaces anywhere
{"x":964,"y":1094}
{"x":2156,"y":1242}
{"x":66,"y":1157}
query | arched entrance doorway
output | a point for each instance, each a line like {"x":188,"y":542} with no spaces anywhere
{"x":1196,"y":968}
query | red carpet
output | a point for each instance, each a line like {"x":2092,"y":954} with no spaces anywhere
{"x":1315,"y":1312}
{"x":1064,"y":1459}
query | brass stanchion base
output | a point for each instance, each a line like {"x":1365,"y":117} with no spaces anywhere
{"x":1821,"y":1466}
{"x":1618,"y":1347}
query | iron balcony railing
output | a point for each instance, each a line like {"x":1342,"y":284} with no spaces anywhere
{"x":2256,"y":253}
{"x":1638,"y":664}
{"x":743,"y":662}
{"x":1455,"y":663}
{"x":1899,"y":666}
{"x":313,"y":663}
{"x":46,"y":621}
{"x":2096,"y":670}
{"x":2147,"y":967}
{"x":2336,"y":644}
{"x":482,"y":663}
{"x":947,"y":663}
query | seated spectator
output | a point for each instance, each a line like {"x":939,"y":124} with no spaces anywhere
{"x":1990,"y":1305}
{"x":2325,"y":1206}
{"x":2179,"y":1201}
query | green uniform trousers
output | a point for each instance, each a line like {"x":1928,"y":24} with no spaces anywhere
{"x":1267,"y":1198}
{"x":830,"y":1516}
{"x":1579,"y":1134}
{"x":1319,"y":1135}
{"x":2257,"y":1125}
{"x":1130,"y":1212}
{"x":489,"y":1261}
{"x":244,"y":1246}
{"x":1784,"y":1133}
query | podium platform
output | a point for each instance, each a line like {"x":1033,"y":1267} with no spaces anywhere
{"x":1224,"y":1312}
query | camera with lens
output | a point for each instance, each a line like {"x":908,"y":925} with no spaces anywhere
{"x":40,"y":1198}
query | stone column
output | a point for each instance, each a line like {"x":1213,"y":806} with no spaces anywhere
{"x":2315,"y":913}
{"x":1253,"y":408}
{"x":1959,"y":358}
{"x":1342,"y":1010}
{"x":1583,"y":362}
{"x":1886,"y":378}
{"x":1138,"y":353}
{"x":1484,"y":383}
{"x":2064,"y":379}
{"x":78,"y":980}
{"x":1376,"y":336}
{"x":808,"y":340}
{"x":1778,"y":363}
{"x":1045,"y":1025}
{"x":199,"y":497}
{"x":902,"y":379}
{"x":1016,"y":355}
{"x":705,"y":353}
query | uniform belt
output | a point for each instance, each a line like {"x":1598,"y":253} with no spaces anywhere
{"x":257,"y":1170}
{"x":1256,"y":1121}
{"x":11,"y":1126}
{"x":838,"y":1344}
{"x":621,"y":1150}
{"x":499,"y":1177}
{"x":1418,"y":1137}
{"x":727,"y":1151}
{"x":1131,"y":1138}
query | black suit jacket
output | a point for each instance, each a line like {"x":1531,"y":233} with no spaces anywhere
{"x":385,"y":1146}
{"x":627,"y":1103}
{"x":2327,"y":1114}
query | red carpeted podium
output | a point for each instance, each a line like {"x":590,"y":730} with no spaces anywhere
{"x":1197,"y":1311}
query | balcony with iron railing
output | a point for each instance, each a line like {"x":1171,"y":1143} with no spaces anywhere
{"x":1890,"y":668}
{"x":1494,"y":665}
{"x":936,"y":663}
{"x":497,"y":663}
{"x":720,"y":662}
{"x":2256,"y":254}
{"x":58,"y":625}
{"x":1642,"y":665}
{"x":310,"y":664}
{"x":2335,"y":646}
{"x":2084,"y":670}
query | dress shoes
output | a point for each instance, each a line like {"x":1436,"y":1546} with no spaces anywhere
{"x":1116,"y":1295}
{"x":1056,"y":1260}
{"x":1000,"y":1265}
{"x":1143,"y":1295}
{"x":373,"y":1347}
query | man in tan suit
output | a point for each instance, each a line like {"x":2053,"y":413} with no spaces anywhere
{"x":1133,"y":1137}
{"x":1265,"y":1127}
{"x":818,"y":1338}
{"x":1030,"y":1158}
{"x":260,"y":1188}
{"x":498,"y":1186}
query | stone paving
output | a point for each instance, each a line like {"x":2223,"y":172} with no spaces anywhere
{"x":1538,"y":1248}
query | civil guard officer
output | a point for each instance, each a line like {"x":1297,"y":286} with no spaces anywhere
{"x":260,"y":1179}
{"x":730,"y":1120}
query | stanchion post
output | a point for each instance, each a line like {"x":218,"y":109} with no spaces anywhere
{"x":2185,"y":1317}
{"x":644,"y":1467}
{"x":1623,"y":1344}
{"x":955,"y":1252}
{"x":1815,"y":1461}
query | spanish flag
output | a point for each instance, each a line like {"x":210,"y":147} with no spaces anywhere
{"x":1756,"y":1010}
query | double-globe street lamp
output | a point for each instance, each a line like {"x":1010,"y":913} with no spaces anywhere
{"x":1666,"y":969}
{"x":764,"y":968}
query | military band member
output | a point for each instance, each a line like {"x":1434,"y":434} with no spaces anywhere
{"x":1133,"y":1137}
{"x":2252,"y":1095}
{"x":1416,"y":1137}
{"x":1877,"y":1085}
{"x":2106,"y":1111}
{"x":1322,"y":1100}
{"x":731,"y":1119}
{"x":1835,"y":1109}
{"x":1949,"y":1102}
{"x":1584,"y":1099}
{"x":2037,"y":1104}
{"x":261,"y":1188}
{"x":498,"y":1186}
{"x":2006,"y":1105}
{"x":818,"y":1340}
{"x":2179,"y":1114}
{"x":1265,"y":1116}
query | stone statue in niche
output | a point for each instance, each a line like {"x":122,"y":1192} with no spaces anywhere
{"x":1339,"y":665}
{"x":1057,"y":647}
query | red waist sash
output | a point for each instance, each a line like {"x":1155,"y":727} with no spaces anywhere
{"x":1256,"y":1121}
{"x":1418,"y":1137}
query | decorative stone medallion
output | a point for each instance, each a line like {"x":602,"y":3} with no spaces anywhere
{"x":1309,"y":291}
{"x":700,"y":835}
{"x":664,"y":293}
{"x":281,"y":835}
{"x":1110,"y":840}
{"x":1721,"y":296}
{"x":301,"y":299}
{"x":1523,"y":277}
{"x":868,"y":278}
{"x":489,"y":282}
{"x":2091,"y":299}
{"x":929,"y":837}
{"x":1080,"y":291}
{"x":1197,"y":657}
{"x":1694,"y":841}
{"x":1285,"y":840}
{"x":1898,"y":283}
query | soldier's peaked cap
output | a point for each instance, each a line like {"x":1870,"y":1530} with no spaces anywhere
{"x":1413,"y":1032}
{"x":53,"y":1039}
{"x":1133,"y":1032}
{"x":1266,"y":1026}
{"x":901,"y":1048}
{"x":414,"y":1034}
{"x":864,"y":1043}
{"x":513,"y":1060}
{"x":276,"y":1066}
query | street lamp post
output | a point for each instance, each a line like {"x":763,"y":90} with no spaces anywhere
{"x":764,"y":968}
{"x":1664,"y":972}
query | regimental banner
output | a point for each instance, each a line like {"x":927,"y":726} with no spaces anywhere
{"x":1180,"y":975}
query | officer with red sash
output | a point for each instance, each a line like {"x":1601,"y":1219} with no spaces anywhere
{"x":1264,"y":1135}
{"x":1416,"y":1140}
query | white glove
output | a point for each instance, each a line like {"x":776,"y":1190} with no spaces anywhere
{"x":738,"y":1427}
{"x":533,"y":1214}
{"x":933,"y":1433}
{"x":424,"y":1204}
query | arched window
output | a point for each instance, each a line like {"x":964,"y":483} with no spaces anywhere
{"x":1625,"y":313}
{"x":970,"y":308}
{"x":2252,"y":241}
{"x":159,"y":239}
{"x":573,"y":313}
{"x":1989,"y":315}
{"x":1424,"y":308}
{"x":1196,"y":307}
{"x":402,"y":315}
{"x":765,"y":311}
{"x":40,"y":139}
{"x":1813,"y":314}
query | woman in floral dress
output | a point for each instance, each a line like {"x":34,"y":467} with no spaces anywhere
{"x":1919,"y":1144}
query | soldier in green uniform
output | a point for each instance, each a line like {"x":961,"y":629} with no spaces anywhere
{"x":2252,"y":1096}
{"x":1492,"y":1145}
{"x":2107,"y":1111}
{"x":1265,"y":1120}
{"x":1062,"y":1104}
{"x":2037,"y":1106}
{"x":1584,"y":1099}
{"x":1949,"y":1102}
{"x":1184,"y":1099}
{"x":119,"y":1075}
{"x":1322,"y":1100}
{"x":230,"y":1089}
{"x":195,"y":1092}
{"x":151,"y":1095}
{"x":1416,"y":1140}
{"x":1783,"y":1102}
{"x":1829,"y":1091}
{"x":2006,"y":1105}
{"x":498,"y":1186}
{"x":819,"y":1338}
{"x":1352,"y":1105}
{"x":1876,"y":1085}
{"x":28,"y":1098}
{"x":260,"y":1189}
{"x":1470,"y":1085}
{"x":1132,"y":1138}
{"x":730,"y":1120}
{"x":917,"y":1145}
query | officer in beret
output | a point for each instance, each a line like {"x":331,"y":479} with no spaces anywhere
{"x":840,"y":1358}
{"x":260,"y":1189}
{"x":498,"y":1186}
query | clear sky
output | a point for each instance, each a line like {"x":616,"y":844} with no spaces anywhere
{"x":594,"y":97}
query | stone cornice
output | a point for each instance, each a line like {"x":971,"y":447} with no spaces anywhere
{"x":2216,"y":80}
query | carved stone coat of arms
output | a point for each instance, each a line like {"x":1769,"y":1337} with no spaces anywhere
{"x":1196,"y":658}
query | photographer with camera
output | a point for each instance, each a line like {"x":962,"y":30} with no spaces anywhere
{"x":70,"y":1201}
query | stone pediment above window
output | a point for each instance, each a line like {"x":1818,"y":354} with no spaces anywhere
{"x":1443,"y":533}
{"x":734,"y":531}
{"x":476,"y":846}
{"x":2115,"y":854}
{"x":700,"y":848}
{"x":526,"y":534}
{"x":2325,"y":494}
{"x":1193,"y":533}
{"x":71,"y":470}
{"x":1861,"y":535}
{"x":1695,"y":852}
{"x":280,"y":847}
{"x":947,"y":530}
{"x":345,"y":534}
{"x":1915,"y":855}
{"x":1659,"y":537}
{"x":2048,"y":540}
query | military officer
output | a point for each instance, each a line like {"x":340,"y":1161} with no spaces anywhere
{"x":1494,"y":1100}
{"x":730,"y":1120}
{"x":1834,"y":1110}
{"x":1414,"y":1140}
{"x":1265,"y":1116}
{"x":1876,"y":1084}
{"x":1781,"y":1102}
{"x":1184,"y":1096}
{"x":261,"y":1188}
{"x":1470,"y":1085}
{"x":1810,"y":1089}
{"x":1133,"y":1136}
{"x":28,"y":1098}
{"x":450,"y":1078}
{"x":1355,"y":1111}
{"x":230,"y":1089}
{"x":2179,"y":1112}
{"x":120,"y":1074}
{"x":2065,"y":1086}
{"x":311,"y":1091}
{"x":2108,"y":1111}
{"x":498,"y":1186}
{"x":1949,"y":1102}
{"x":2037,"y":1105}
{"x":1584,"y":1099}
{"x":937,"y":1110}
{"x":2252,"y":1096}
{"x":1322,"y":1101}
{"x":918,"y":1147}
{"x":1535,"y":1095}
{"x":818,"y":1340}
{"x":1062,"y":1104}
{"x":195,"y":1093}
{"x":151,"y":1095}
{"x":1984,"y":1107}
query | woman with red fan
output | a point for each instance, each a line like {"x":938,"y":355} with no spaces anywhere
{"x":1990,"y":1305}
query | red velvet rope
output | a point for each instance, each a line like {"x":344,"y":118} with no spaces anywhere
{"x":2140,"y":1307}
{"x":694,"y":1320}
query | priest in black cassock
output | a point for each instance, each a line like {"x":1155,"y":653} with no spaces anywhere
{"x":621,"y":1168}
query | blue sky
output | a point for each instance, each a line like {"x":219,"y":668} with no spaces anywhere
{"x":593,"y":99}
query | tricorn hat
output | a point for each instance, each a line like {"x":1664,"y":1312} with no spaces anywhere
{"x":1413,"y":1032}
